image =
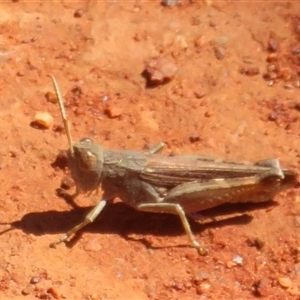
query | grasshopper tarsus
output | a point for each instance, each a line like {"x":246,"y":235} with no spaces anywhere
{"x":202,"y":250}
{"x":59,"y":241}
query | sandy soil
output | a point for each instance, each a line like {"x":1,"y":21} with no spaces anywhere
{"x":235,"y":95}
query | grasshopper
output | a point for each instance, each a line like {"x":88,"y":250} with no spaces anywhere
{"x":180,"y":184}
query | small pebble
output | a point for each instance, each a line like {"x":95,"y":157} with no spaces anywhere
{"x":270,"y":76}
{"x":51,"y":97}
{"x":221,"y":41}
{"x":169,"y":2}
{"x":272,"y":57}
{"x":238,"y":260}
{"x":208,"y":114}
{"x":113,"y":111}
{"x":58,"y":128}
{"x":272,"y":68}
{"x":181,"y":42}
{"x":296,"y":50}
{"x":256,"y":242}
{"x":288,"y":86}
{"x":247,"y":60}
{"x":219,"y":52}
{"x":200,"y":93}
{"x":230,"y":264}
{"x":200,"y":42}
{"x":78,"y":13}
{"x":20,"y":74}
{"x":43,"y":120}
{"x":249,"y":71}
{"x":53,"y":292}
{"x":202,"y":276}
{"x":203,"y":288}
{"x":194,"y":138}
{"x":284,"y":282}
{"x":293,"y":290}
{"x":259,"y":243}
{"x":77,"y":91}
{"x":26,"y":292}
{"x":94,"y":296}
{"x":160,"y":70}
{"x":35,"y":280}
{"x":273,"y":45}
{"x":297,"y":83}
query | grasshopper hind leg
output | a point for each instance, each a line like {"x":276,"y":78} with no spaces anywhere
{"x":152,"y":202}
{"x":175,"y":209}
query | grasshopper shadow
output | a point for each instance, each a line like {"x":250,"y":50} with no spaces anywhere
{"x":121,"y":219}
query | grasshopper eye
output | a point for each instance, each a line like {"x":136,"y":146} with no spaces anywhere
{"x":86,"y":140}
{"x":87,"y":161}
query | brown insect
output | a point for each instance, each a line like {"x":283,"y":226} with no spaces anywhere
{"x":180,"y":184}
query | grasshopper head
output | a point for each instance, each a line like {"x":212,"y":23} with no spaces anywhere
{"x":85,"y":156}
{"x":86,"y":163}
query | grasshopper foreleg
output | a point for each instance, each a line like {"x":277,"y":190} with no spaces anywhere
{"x":89,"y":218}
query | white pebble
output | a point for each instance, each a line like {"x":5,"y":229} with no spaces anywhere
{"x":43,"y":120}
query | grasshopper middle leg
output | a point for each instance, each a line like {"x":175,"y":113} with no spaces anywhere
{"x":155,"y":149}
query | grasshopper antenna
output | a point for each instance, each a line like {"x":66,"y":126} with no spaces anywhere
{"x":63,"y":113}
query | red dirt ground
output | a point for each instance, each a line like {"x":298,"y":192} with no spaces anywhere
{"x":235,"y":95}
